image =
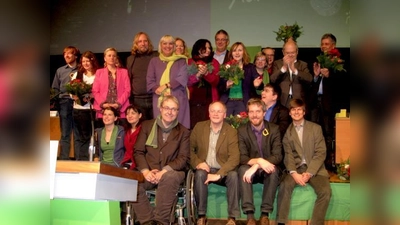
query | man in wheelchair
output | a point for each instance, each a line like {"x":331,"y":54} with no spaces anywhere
{"x":215,"y":155}
{"x":162,"y":155}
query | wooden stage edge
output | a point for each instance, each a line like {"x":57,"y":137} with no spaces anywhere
{"x":68,"y":166}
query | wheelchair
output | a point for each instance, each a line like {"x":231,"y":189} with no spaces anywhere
{"x":185,"y":204}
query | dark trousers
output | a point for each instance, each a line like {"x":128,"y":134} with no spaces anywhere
{"x":166,"y":194}
{"x":270,"y":182}
{"x":232,"y":191}
{"x":82,"y":132}
{"x":145,"y":103}
{"x":234,"y":107}
{"x":66,"y":125}
{"x":322,"y":188}
{"x":325,"y":118}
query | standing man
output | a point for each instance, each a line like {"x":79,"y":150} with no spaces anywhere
{"x":61,"y":78}
{"x":215,"y":155}
{"x":162,"y":155}
{"x":221,"y":43}
{"x":305,"y":152}
{"x":137,"y":63}
{"x":260,"y":155}
{"x":275,"y":112}
{"x":291,"y":75}
{"x":270,"y":53}
{"x":322,"y":94}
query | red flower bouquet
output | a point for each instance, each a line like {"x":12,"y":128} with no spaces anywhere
{"x":79,"y":88}
{"x":239,"y":119}
{"x":231,"y":71}
{"x":331,"y":60}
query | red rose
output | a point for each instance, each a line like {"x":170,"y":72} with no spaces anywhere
{"x":201,"y":63}
{"x":334,"y":52}
{"x":243,"y":115}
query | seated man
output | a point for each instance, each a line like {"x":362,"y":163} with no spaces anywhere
{"x":305,"y":152}
{"x":275,"y":113}
{"x":215,"y":155}
{"x":260,"y":155}
{"x":162,"y":155}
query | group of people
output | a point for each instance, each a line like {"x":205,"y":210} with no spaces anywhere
{"x":184,"y":124}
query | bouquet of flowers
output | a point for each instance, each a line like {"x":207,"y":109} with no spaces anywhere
{"x":331,"y":60}
{"x":285,"y":32}
{"x":79,"y":88}
{"x":236,"y":121}
{"x":343,"y":170}
{"x":231,"y":71}
{"x":193,"y":68}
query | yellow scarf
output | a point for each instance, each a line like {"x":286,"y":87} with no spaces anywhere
{"x":166,"y":74}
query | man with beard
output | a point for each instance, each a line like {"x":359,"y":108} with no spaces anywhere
{"x":260,"y":155}
{"x":61,"y":78}
{"x":137,"y":63}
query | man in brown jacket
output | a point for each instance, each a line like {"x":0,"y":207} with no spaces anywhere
{"x":162,"y":155}
{"x":215,"y":155}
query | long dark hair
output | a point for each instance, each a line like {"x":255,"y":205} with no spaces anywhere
{"x":200,"y":46}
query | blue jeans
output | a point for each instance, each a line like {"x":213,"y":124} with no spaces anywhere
{"x":66,"y":124}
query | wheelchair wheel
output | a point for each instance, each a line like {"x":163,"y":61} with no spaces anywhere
{"x":191,"y":209}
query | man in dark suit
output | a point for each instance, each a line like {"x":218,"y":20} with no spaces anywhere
{"x":291,"y":75}
{"x":305,"y":152}
{"x":137,"y":63}
{"x":260,"y":155}
{"x":162,"y":155}
{"x":215,"y":156}
{"x":275,"y":112}
{"x":221,"y":42}
{"x":321,"y":99}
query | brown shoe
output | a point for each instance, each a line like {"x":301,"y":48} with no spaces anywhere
{"x":251,"y":222}
{"x":231,"y":222}
{"x":202,"y":221}
{"x":264,"y":220}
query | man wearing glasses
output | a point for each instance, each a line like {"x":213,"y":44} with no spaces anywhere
{"x":270,"y":53}
{"x":222,"y":42}
{"x":214,"y":154}
{"x":162,"y":156}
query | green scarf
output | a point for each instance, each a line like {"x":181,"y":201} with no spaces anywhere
{"x":152,"y":138}
{"x":166,"y":74}
{"x":265,"y":81}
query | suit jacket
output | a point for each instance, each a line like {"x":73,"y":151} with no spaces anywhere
{"x":227,"y":146}
{"x":280,"y":116}
{"x":100,"y":90}
{"x":313,"y":149}
{"x":328,"y":90}
{"x":173,"y":154}
{"x":271,"y":145}
{"x":300,"y":83}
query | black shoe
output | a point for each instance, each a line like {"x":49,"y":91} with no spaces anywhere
{"x":150,"y":222}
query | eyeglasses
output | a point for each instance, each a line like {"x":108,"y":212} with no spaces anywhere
{"x":170,"y":109}
{"x":221,"y":39}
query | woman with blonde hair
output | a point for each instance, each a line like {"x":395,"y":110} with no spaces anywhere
{"x":234,"y":96}
{"x":181,"y":48}
{"x":167,"y":75}
{"x":111,"y":88}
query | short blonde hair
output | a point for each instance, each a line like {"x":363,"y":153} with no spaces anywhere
{"x":168,"y":39}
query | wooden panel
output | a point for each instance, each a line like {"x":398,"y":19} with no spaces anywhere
{"x":67,"y":166}
{"x":342,"y":139}
{"x":306,"y":222}
{"x":55,"y":134}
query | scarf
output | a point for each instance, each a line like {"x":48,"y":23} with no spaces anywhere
{"x":152,"y":138}
{"x":166,"y":74}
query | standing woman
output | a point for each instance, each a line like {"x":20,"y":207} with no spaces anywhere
{"x":134,"y":117}
{"x":181,"y":48}
{"x":203,"y":85}
{"x":260,"y":62}
{"x":83,"y":113}
{"x":167,"y":75}
{"x":235,"y":97}
{"x":110,"y":139}
{"x":111,"y":88}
